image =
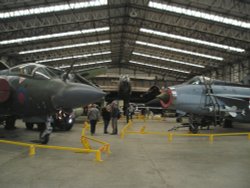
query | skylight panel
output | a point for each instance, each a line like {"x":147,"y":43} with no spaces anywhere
{"x":85,"y":64}
{"x":159,"y":67}
{"x":54,"y":35}
{"x":73,"y":57}
{"x":180,"y":50}
{"x":64,"y":47}
{"x":199,"y":14}
{"x":179,"y":37}
{"x":167,"y":59}
{"x":54,"y":8}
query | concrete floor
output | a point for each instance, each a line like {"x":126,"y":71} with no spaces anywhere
{"x":147,"y":161}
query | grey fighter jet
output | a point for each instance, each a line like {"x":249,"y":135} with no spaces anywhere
{"x":207,"y":102}
{"x":34,"y":91}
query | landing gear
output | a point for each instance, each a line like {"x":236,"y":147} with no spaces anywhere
{"x":227,"y":123}
{"x":193,"y":128}
{"x":193,"y":124}
{"x":10,"y":123}
{"x":47,"y":130}
{"x":29,"y":126}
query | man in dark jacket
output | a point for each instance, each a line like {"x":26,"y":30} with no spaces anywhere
{"x":115,"y":113}
{"x":106,"y":115}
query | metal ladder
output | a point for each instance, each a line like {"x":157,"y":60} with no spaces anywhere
{"x":213,"y":99}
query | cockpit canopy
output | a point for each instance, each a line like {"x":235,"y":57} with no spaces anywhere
{"x":34,"y":70}
{"x":201,"y":80}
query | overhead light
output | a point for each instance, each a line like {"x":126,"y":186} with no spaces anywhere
{"x":159,"y":67}
{"x":179,"y":37}
{"x":85,"y":64}
{"x":167,"y":59}
{"x":54,"y":35}
{"x":65,"y":47}
{"x":52,"y":8}
{"x":73,"y":57}
{"x":199,"y":14}
{"x":179,"y":50}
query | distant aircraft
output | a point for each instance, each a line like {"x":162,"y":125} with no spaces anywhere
{"x":34,"y":91}
{"x":124,"y":91}
{"x":207,"y":102}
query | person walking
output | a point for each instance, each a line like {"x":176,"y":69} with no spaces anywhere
{"x":115,"y":113}
{"x":93,"y":117}
{"x":106,"y":115}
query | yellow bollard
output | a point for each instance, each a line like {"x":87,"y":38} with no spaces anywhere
{"x":248,"y":136}
{"x":211,"y":138}
{"x":142,"y":131}
{"x":32,"y":150}
{"x":98,"y":156}
{"x":85,"y":143}
{"x":170,"y":137}
{"x":122,"y":134}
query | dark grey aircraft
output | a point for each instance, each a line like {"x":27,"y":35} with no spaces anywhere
{"x":124,"y":91}
{"x":207,"y":102}
{"x":34,"y":91}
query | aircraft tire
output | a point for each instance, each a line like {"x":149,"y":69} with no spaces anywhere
{"x":45,"y":139}
{"x":29,"y":126}
{"x":68,"y":126}
{"x":193,"y":129}
{"x":179,"y":120}
{"x":227,"y":123}
{"x":10,"y":123}
{"x":41,"y":126}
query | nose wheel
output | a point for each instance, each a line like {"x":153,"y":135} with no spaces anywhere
{"x":47,"y":130}
{"x":193,"y":125}
{"x":193,"y":128}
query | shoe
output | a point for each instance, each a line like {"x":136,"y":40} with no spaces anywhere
{"x":106,"y":132}
{"x":113,"y":133}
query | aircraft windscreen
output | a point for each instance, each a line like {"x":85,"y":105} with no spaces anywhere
{"x":197,"y":80}
{"x":43,"y":73}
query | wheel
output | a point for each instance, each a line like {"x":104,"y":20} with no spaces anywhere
{"x":10,"y":123}
{"x":68,"y":126}
{"x":227,"y":123}
{"x":29,"y":126}
{"x":41,"y":126}
{"x":44,"y":139}
{"x":179,"y":119}
{"x":193,"y":128}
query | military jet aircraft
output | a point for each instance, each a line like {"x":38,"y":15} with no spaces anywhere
{"x":207,"y":102}
{"x":124,"y":91}
{"x":34,"y":91}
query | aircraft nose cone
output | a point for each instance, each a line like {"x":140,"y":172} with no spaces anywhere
{"x":163,"y":100}
{"x":77,"y":95}
{"x":154,"y":103}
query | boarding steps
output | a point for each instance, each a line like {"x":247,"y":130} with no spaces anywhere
{"x":212,"y":100}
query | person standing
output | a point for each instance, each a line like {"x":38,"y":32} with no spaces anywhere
{"x":115,"y":113}
{"x":93,"y":117}
{"x":106,"y":115}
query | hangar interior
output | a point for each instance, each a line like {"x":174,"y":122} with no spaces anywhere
{"x":153,"y":41}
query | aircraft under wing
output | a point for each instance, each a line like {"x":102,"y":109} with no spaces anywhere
{"x":240,"y":101}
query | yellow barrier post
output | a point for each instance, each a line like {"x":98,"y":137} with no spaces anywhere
{"x":170,"y":137}
{"x":98,"y":156}
{"x":32,"y":150}
{"x":142,"y":131}
{"x":211,"y":138}
{"x":85,"y":143}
